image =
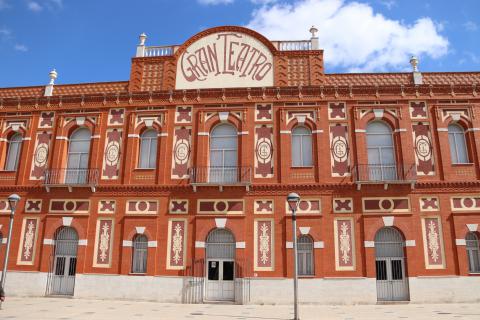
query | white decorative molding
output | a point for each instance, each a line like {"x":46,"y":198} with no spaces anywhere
{"x":410,"y":243}
{"x":304,"y":230}
{"x":140,"y":230}
{"x":400,"y":130}
{"x":162,"y":134}
{"x":460,"y":242}
{"x":318,"y":245}
{"x":4,"y":240}
{"x":127,"y":243}
{"x":472,"y":227}
{"x":67,"y":221}
{"x":360,"y":130}
{"x":285,"y":131}
{"x":82,"y":242}
{"x":223,"y":115}
{"x":301,"y":119}
{"x":244,"y":133}
{"x":220,"y":222}
{"x":378,"y":113}
{"x":202,"y":133}
{"x":47,"y":242}
{"x":61,"y":138}
{"x":317,"y":131}
{"x":96,"y":136}
{"x":442,"y":129}
{"x":199,"y":244}
{"x":26,"y":139}
{"x":240,"y":245}
{"x":133,"y":135}
{"x":388,"y":221}
{"x":369,"y":244}
{"x":152,"y":244}
{"x":289,"y":245}
{"x":472,"y":129}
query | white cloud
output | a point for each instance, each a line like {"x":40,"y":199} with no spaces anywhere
{"x":20,"y":47}
{"x":4,"y":32}
{"x":34,"y":6}
{"x":354,"y":37}
{"x":470,"y":26}
{"x":214,"y":2}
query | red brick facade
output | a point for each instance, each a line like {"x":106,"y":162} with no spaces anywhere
{"x":167,"y":201}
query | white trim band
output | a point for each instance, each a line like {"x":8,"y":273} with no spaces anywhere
{"x":240,"y":245}
{"x":46,"y":242}
{"x":317,"y":131}
{"x":203,"y":133}
{"x":410,"y":243}
{"x":26,"y":139}
{"x":97,"y":136}
{"x":61,"y":138}
{"x":242,"y":133}
{"x":360,"y":130}
{"x":127,"y":243}
{"x":163,"y":134}
{"x":460,"y":242}
{"x":82,"y":242}
{"x":369,"y":244}
{"x":285,"y":131}
{"x":289,"y":245}
{"x":400,"y":130}
{"x":318,"y":245}
{"x":152,"y":244}
{"x":199,"y":244}
{"x":442,"y":129}
{"x":473,"y":129}
{"x":133,"y":135}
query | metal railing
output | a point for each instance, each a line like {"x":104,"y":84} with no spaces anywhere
{"x":71,"y":177}
{"x":158,"y":51}
{"x":221,"y":175}
{"x":298,"y":45}
{"x":384,"y":173}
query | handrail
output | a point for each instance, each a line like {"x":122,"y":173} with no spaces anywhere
{"x":228,"y":175}
{"x":384,"y":173}
{"x":71,"y":177}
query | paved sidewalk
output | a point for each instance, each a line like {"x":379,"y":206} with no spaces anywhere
{"x":73,"y":309}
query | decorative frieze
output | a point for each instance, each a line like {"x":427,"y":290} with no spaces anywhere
{"x":142,"y":207}
{"x":422,"y":141}
{"x":177,"y":244}
{"x":386,"y":205}
{"x":433,"y":243}
{"x":178,"y":206}
{"x":342,"y":205}
{"x":46,"y":120}
{"x":102,"y":257}
{"x":300,"y":115}
{"x":69,"y":206}
{"x":33,"y":205}
{"x":263,"y":206}
{"x":111,"y":161}
{"x":465,"y":203}
{"x":263,"y":112}
{"x":183,"y":114}
{"x":264,"y":245}
{"x":264,"y":151}
{"x":339,"y":150}
{"x":40,"y":155}
{"x":429,"y":204}
{"x":116,"y":117}
{"x":107,"y":206}
{"x":344,"y":244}
{"x":418,"y":110}
{"x":181,"y":152}
{"x":337,"y":111}
{"x":220,"y":206}
{"x":306,"y":206}
{"x":28,"y":241}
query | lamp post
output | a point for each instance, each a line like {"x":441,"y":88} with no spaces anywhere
{"x":293,"y":199}
{"x":12,"y":201}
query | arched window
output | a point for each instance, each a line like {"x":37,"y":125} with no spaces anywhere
{"x":305,"y":256}
{"x":381,"y":152}
{"x":139,"y":254}
{"x":473,"y":252}
{"x":458,"y":146}
{"x":78,"y":156}
{"x":223,"y":154}
{"x":302,"y":147}
{"x":13,"y":153}
{"x":148,"y":149}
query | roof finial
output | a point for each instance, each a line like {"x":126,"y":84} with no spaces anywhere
{"x":313,"y":31}
{"x":142,"y":38}
{"x":53,"y":76}
{"x":414,"y":63}
{"x":314,"y":39}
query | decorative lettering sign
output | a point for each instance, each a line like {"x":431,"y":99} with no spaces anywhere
{"x":225,"y":60}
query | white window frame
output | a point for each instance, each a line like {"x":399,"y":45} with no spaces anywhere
{"x":151,"y":160}
{"x":302,"y":256}
{"x":303,"y":162}
{"x":458,"y":138}
{"x":473,"y":252}
{"x":139,"y":267}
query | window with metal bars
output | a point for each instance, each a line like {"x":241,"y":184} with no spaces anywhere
{"x":473,"y":252}
{"x":305,"y":256}
{"x":139,"y":254}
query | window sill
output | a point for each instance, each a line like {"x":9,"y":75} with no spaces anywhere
{"x":306,"y":276}
{"x":144,"y":169}
{"x":303,"y":167}
{"x":469,"y":164}
{"x":8,"y":171}
{"x":474,"y":274}
{"x":136,"y":274}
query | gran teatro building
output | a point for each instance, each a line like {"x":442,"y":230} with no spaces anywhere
{"x":171,"y":185}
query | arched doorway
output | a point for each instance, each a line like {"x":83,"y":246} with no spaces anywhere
{"x":220,"y":273}
{"x":392,"y":281}
{"x":64,"y":267}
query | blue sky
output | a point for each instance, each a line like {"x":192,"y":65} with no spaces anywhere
{"x":93,"y":40}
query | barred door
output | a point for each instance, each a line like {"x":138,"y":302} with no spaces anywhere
{"x":63,"y":269}
{"x":392,"y":281}
{"x":220,"y":266}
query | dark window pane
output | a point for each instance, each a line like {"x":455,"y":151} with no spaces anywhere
{"x":60,"y":266}
{"x":381,"y":269}
{"x":73,"y":267}
{"x":213,"y":269}
{"x":228,"y":268}
{"x":397,"y":270}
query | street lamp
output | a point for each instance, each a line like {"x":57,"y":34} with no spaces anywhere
{"x":12,"y":201}
{"x":293,"y":200}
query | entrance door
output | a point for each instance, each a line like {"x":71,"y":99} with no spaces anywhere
{"x":64,"y":263}
{"x":220,"y":266}
{"x":392,"y":281}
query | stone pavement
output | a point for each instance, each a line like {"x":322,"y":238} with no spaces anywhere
{"x":73,"y":309}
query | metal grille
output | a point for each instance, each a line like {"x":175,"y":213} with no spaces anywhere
{"x":220,"y":244}
{"x":392,"y":282}
{"x":305,"y":256}
{"x":473,"y":252}
{"x":61,"y":279}
{"x":139,"y":255}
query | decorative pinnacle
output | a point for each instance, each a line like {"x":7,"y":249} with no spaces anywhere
{"x":414,"y":63}
{"x":53,"y":75}
{"x":313,"y":31}
{"x":142,"y":38}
